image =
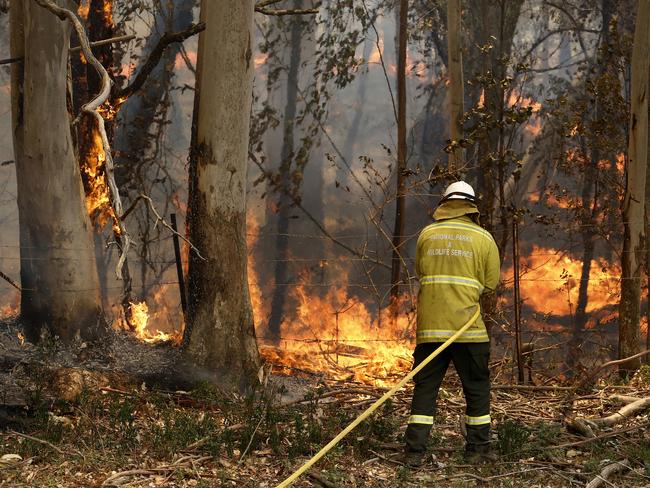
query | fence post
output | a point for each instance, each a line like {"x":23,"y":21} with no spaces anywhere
{"x":515,"y":266}
{"x":179,"y":267}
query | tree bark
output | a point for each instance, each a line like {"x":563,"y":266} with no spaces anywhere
{"x":221,"y":333}
{"x":589,"y":205}
{"x":283,"y":199}
{"x":400,"y":207}
{"x":60,"y":287}
{"x":633,"y":211}
{"x":456,"y":91}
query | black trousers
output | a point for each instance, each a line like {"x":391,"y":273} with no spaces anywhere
{"x":471,"y":363}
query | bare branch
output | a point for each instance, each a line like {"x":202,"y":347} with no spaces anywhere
{"x":142,"y":196}
{"x":76,"y":49}
{"x":261,"y":8}
{"x":155,"y":56}
{"x":266,"y":3}
{"x":282,"y":12}
{"x":103,"y":42}
{"x":10,"y":281}
{"x":90,"y":108}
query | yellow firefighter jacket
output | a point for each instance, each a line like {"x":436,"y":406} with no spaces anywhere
{"x":456,"y":260}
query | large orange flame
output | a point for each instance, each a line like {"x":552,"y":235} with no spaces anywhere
{"x":550,"y":283}
{"x":334,"y":333}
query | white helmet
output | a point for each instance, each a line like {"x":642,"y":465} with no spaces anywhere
{"x":459,"y":190}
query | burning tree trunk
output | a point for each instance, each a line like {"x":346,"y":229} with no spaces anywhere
{"x":220,"y":334}
{"x":633,"y":239}
{"x":456,"y":92}
{"x":60,"y":287}
{"x":400,"y":207}
{"x":86,"y":83}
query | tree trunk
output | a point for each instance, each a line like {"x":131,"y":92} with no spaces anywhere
{"x":60,"y":287}
{"x":398,"y":232}
{"x":633,"y":212}
{"x":589,"y":204}
{"x":221,"y":336}
{"x":353,"y":132}
{"x":456,"y":92}
{"x":283,"y":199}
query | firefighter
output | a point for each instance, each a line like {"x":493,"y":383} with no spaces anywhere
{"x":456,"y":261}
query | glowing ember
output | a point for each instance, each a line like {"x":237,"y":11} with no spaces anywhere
{"x":21,"y":338}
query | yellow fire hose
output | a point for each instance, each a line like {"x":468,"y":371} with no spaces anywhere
{"x":376,"y":405}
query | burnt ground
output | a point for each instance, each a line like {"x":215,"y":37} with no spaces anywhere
{"x":106,"y":416}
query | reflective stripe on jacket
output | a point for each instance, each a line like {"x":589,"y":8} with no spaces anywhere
{"x":456,"y":260}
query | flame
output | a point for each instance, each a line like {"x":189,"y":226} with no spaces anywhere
{"x":12,"y":308}
{"x":140,"y":320}
{"x":534,"y":127}
{"x":551,"y":200}
{"x":550,"y":283}
{"x":107,"y":10}
{"x":21,"y":338}
{"x":515,"y":99}
{"x":260,"y":59}
{"x":98,"y":202}
{"x":109,"y":109}
{"x":84,"y":9}
{"x":334,"y":333}
{"x":377,"y":52}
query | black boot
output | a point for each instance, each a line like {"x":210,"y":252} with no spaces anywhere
{"x":480,"y":454}
{"x":413,"y":459}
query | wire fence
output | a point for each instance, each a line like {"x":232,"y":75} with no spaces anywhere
{"x":553,"y":269}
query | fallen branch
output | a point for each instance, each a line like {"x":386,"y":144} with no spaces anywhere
{"x":638,"y":427}
{"x":591,"y":376}
{"x":496,"y":476}
{"x":183,"y":462}
{"x":625,"y":412}
{"x":36,"y":439}
{"x":125,"y":474}
{"x":608,"y":471}
{"x":319,"y":479}
{"x":625,"y":398}
{"x":531,"y":387}
{"x":154,"y":58}
{"x":91,"y":109}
